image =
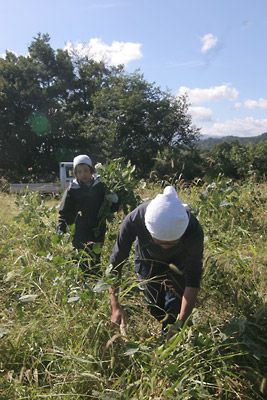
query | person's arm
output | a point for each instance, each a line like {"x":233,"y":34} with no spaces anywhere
{"x":66,"y":212}
{"x":193,"y":272}
{"x":193,"y":265}
{"x":117,"y":312}
{"x":120,"y":253}
{"x":188,"y":303}
{"x":125,"y":239}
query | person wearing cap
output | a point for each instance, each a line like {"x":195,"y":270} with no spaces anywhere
{"x":81,"y":206}
{"x":168,"y":258}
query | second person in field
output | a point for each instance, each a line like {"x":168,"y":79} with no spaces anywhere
{"x":81,"y":205}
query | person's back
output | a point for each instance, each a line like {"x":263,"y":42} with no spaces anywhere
{"x":168,"y":256}
{"x":183,"y":253}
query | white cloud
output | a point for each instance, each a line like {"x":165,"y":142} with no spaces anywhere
{"x":248,"y":126}
{"x":209,"y":41}
{"x":238,"y":105}
{"x":115,"y":54}
{"x":200,"y":113}
{"x":260,"y":103}
{"x":198,"y":96}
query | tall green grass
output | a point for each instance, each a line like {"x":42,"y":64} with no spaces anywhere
{"x":56,"y":339}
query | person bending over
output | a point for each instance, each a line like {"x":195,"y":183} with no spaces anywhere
{"x":168,"y":257}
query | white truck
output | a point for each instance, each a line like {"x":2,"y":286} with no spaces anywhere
{"x":65,"y":177}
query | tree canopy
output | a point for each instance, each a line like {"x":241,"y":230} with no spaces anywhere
{"x":53,"y":106}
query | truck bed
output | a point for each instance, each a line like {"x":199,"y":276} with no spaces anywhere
{"x":35,"y":187}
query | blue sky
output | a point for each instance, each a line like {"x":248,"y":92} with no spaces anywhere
{"x":214,"y":50}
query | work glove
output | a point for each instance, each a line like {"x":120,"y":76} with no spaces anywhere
{"x":112,"y":197}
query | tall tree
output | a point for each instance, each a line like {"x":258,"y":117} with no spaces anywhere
{"x":135,"y":119}
{"x":53,"y":106}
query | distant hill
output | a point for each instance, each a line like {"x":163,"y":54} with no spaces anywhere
{"x":208,"y":143}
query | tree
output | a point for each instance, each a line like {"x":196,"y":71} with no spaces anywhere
{"x":258,"y":158}
{"x":223,"y":159}
{"x":135,"y":119}
{"x":33,"y":101}
{"x":53,"y":106}
{"x":236,"y":160}
{"x":178,"y":162}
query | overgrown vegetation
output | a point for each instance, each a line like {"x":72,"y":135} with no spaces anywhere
{"x":56,"y":340}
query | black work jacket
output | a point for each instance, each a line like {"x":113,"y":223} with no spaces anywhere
{"x":80,"y":205}
{"x":186,"y":255}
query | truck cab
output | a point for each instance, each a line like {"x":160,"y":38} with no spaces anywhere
{"x":66,"y":175}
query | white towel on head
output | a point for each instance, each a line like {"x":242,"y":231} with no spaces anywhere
{"x":166,"y":217}
{"x":82,"y":159}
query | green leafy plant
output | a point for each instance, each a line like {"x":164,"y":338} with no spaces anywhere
{"x":56,"y":339}
{"x":119,"y":178}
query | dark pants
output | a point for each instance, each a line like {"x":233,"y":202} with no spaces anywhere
{"x":163,"y":290}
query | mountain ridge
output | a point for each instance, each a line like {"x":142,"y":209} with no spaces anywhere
{"x":209,"y":142}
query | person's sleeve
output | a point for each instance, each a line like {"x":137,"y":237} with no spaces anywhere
{"x":125,"y":239}
{"x":103,"y":191}
{"x":193,"y":262}
{"x":66,"y":212}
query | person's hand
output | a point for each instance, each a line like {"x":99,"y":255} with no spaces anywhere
{"x":118,"y":318}
{"x":174,"y":329}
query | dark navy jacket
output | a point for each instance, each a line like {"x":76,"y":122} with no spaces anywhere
{"x":80,"y":205}
{"x":150,"y":258}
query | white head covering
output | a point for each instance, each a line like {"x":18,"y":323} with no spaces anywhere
{"x":166,"y":217}
{"x":82,"y":159}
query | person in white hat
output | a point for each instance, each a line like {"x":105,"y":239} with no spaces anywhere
{"x":81,"y":205}
{"x":168,"y":255}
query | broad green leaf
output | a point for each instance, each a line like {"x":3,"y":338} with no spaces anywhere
{"x":28,"y":298}
{"x":100,"y":286}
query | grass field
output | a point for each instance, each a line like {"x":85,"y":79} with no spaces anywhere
{"x":56,"y":339}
